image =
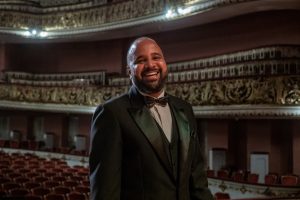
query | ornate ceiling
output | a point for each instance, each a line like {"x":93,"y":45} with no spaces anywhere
{"x":57,"y":20}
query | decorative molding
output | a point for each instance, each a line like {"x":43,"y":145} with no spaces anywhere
{"x":281,"y":90}
{"x":65,"y":18}
{"x":265,"y":97}
{"x":262,"y":82}
{"x":55,"y":79}
{"x":48,"y":107}
{"x":275,"y":90}
{"x":239,"y":190}
{"x":248,"y":111}
{"x":264,"y":61}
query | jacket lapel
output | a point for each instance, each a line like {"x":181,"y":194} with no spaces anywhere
{"x":184,"y":133}
{"x":146,"y":123}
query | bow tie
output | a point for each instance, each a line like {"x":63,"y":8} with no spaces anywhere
{"x":150,"y":101}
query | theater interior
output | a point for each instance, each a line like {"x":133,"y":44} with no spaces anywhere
{"x":237,"y":62}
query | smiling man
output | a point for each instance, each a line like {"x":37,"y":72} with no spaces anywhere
{"x":148,"y":69}
{"x":144,"y":144}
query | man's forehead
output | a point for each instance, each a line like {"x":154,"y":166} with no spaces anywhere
{"x":141,"y":43}
{"x":145,"y":45}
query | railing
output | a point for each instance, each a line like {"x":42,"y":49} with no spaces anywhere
{"x":266,"y":61}
{"x":239,"y":190}
{"x":257,"y":82}
{"x":57,"y":79}
{"x":90,"y":14}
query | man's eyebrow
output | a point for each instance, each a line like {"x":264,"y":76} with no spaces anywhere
{"x":157,"y":54}
{"x":138,"y":57}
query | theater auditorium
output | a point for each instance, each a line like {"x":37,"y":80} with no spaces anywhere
{"x":237,"y":62}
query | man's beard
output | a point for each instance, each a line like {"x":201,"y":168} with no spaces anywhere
{"x":150,"y":87}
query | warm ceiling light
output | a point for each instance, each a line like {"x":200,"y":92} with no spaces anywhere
{"x":43,"y":34}
{"x":184,"y":11}
{"x":170,"y":13}
{"x":34,"y":33}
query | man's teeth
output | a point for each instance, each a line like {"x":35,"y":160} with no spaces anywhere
{"x":151,"y":73}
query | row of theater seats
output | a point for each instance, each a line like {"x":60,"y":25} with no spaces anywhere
{"x":28,"y":176}
{"x":270,"y":179}
{"x":39,"y":145}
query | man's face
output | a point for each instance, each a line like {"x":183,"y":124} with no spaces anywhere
{"x":148,"y":68}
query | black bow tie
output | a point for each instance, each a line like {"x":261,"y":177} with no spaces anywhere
{"x":150,"y":101}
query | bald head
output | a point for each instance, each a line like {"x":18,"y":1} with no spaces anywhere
{"x":147,"y":67}
{"x":133,"y":47}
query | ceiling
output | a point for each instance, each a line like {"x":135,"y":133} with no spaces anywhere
{"x":148,"y":24}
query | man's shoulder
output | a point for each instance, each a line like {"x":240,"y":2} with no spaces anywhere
{"x":113,"y":104}
{"x":179,"y":101}
{"x":117,"y":101}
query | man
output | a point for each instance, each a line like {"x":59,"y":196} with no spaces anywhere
{"x":144,"y":145}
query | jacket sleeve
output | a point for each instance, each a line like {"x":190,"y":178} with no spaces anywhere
{"x":198,"y":180}
{"x":105,"y":156}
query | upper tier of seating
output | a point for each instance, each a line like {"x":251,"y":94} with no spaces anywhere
{"x":264,"y":61}
{"x":55,"y":79}
{"x":95,"y":15}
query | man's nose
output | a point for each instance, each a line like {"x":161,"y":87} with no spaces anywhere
{"x":150,"y":63}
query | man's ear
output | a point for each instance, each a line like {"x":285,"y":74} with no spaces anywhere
{"x":128,"y":71}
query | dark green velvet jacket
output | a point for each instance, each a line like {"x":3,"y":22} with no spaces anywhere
{"x":128,"y":159}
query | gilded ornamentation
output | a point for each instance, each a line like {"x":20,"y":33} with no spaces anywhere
{"x":282,"y":90}
{"x":223,"y":186}
{"x":243,"y":189}
{"x":72,"y":15}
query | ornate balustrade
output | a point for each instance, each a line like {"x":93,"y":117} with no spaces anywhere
{"x":266,"y":61}
{"x":61,"y":79}
{"x":258,"y":82}
{"x":279,"y":90}
{"x":238,"y":190}
{"x":85,"y":16}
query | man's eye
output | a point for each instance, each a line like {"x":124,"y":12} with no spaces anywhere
{"x":139,"y":61}
{"x":156,"y":57}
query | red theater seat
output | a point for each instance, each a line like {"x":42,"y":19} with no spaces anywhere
{"x":14,"y":175}
{"x":62,"y":190}
{"x":40,"y":191}
{"x":10,"y":185}
{"x":238,"y":176}
{"x":70,"y":184}
{"x":51,"y":184}
{"x":210,"y":173}
{"x":2,"y":143}
{"x":19,"y":192}
{"x":222,"y":196}
{"x":54,"y":197}
{"x":76,"y":196}
{"x":82,"y":189}
{"x":40,"y":179}
{"x":4,"y":180}
{"x":32,"y":197}
{"x":289,"y":180}
{"x":14,"y":144}
{"x":59,"y":178}
{"x":31,"y":185}
{"x":31,"y":175}
{"x":252,"y":178}
{"x":21,"y":180}
{"x":85,"y":183}
{"x":223,"y":174}
{"x":271,"y":179}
